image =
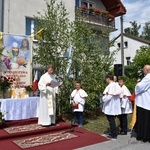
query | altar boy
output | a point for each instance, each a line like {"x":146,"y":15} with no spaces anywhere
{"x":78,"y":97}
{"x":126,"y":106}
{"x":111,"y":106}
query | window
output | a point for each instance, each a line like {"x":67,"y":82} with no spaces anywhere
{"x":87,"y":4}
{"x":128,"y":60}
{"x":77,"y":3}
{"x":30,"y":26}
{"x":125,"y":44}
{"x":118,"y":44}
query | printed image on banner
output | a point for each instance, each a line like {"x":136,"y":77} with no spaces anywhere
{"x":16,"y":58}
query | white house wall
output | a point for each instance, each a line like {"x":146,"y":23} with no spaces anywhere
{"x":15,"y":12}
{"x":70,"y":6}
{"x":130,"y":51}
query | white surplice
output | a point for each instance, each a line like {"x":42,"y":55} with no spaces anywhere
{"x":79,"y":96}
{"x":111,"y":99}
{"x":126,"y":105}
{"x":142,"y":92}
{"x":47,"y":108}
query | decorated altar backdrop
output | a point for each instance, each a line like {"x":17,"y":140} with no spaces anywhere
{"x":16,"y":58}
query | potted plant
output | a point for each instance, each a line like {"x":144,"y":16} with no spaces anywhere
{"x":83,"y":7}
{"x":5,"y":85}
{"x":91,"y":9}
{"x":105,"y":12}
{"x":111,"y":17}
{"x":29,"y":89}
{"x":97,"y":11}
{"x":2,"y":120}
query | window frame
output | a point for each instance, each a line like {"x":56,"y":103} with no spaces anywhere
{"x":32,"y":27}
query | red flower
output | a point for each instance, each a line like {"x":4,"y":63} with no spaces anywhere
{"x":4,"y":83}
{"x":97,"y":10}
{"x":29,"y":88}
{"x":83,"y":7}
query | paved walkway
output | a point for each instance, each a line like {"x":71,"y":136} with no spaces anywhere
{"x":123,"y":142}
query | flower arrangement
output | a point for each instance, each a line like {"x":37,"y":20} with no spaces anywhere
{"x":91,"y":9}
{"x":5,"y":82}
{"x":2,"y":117}
{"x":97,"y":11}
{"x":104,"y":12}
{"x":29,"y":88}
{"x":111,"y":16}
{"x":83,"y":7}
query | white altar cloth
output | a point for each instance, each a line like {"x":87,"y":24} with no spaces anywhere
{"x":22,"y":108}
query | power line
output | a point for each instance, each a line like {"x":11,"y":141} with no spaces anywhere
{"x":135,"y":21}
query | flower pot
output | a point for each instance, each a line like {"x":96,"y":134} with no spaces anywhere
{"x":30,"y":93}
{"x":5,"y":93}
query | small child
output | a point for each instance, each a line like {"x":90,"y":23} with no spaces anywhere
{"x":126,"y":107}
{"x":78,"y":97}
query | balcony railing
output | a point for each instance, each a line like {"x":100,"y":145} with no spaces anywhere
{"x":98,"y":19}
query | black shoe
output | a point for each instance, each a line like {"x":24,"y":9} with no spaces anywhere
{"x":53,"y":124}
{"x":111,"y":137}
{"x":123,"y":133}
{"x":45,"y":125}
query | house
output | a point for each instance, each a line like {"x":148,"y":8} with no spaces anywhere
{"x":131,"y":45}
{"x":17,"y":17}
{"x":101,"y":14}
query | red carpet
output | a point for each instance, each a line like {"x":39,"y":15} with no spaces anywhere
{"x":83,"y":139}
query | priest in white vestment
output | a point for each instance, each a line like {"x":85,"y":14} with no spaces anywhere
{"x":47,"y":107}
{"x":126,"y":107}
{"x":111,"y":106}
{"x":142,"y":92}
{"x":78,"y":97}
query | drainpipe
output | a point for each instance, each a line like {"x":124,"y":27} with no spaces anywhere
{"x":122,"y":45}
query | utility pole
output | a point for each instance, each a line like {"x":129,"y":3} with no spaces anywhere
{"x":122,"y":45}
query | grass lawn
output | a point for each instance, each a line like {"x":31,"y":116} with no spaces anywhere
{"x":100,"y":124}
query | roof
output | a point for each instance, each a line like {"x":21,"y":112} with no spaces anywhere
{"x":115,"y":7}
{"x":133,"y":37}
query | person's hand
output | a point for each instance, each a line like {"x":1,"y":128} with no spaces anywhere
{"x":48,"y":84}
{"x":74,"y":104}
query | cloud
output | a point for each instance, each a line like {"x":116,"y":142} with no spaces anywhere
{"x":137,"y":10}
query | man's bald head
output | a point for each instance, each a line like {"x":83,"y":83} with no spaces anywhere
{"x":146,"y":69}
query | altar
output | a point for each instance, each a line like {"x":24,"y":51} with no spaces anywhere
{"x":20,"y":108}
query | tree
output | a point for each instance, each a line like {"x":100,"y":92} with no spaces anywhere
{"x":146,"y":31}
{"x":90,"y":62}
{"x":134,"y":29}
{"x":131,"y":77}
{"x":141,"y":58}
{"x":52,"y":46}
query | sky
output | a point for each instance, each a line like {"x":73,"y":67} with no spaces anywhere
{"x":137,"y":10}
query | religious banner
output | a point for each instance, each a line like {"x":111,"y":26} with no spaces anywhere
{"x":16,"y":58}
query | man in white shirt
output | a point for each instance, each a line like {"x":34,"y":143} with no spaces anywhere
{"x":142,"y":92}
{"x":111,"y":106}
{"x":78,"y":97}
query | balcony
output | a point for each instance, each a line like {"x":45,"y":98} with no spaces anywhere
{"x":99,"y":20}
